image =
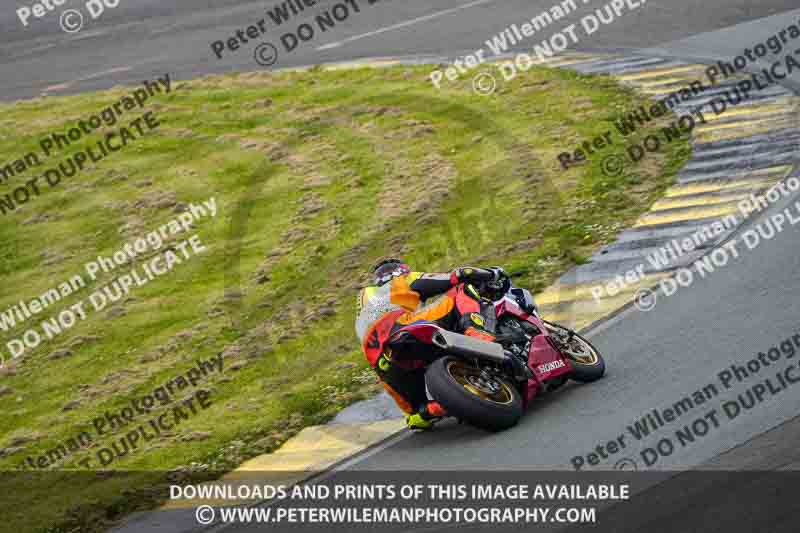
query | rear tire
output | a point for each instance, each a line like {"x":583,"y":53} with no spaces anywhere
{"x":587,"y":361}
{"x":446,"y":378}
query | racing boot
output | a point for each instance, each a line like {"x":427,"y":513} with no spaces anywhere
{"x":424,"y":418}
{"x":415,"y":422}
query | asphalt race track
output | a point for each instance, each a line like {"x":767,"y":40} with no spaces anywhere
{"x":142,"y":38}
{"x":655,"y":359}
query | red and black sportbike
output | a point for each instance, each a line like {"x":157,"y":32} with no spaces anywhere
{"x":489,"y":384}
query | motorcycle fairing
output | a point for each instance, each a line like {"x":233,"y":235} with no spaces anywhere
{"x":544,"y":359}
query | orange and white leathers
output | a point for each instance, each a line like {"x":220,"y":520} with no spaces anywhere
{"x":384,"y":309}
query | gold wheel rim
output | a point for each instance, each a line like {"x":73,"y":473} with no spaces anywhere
{"x":465,"y":376}
{"x":586,"y":356}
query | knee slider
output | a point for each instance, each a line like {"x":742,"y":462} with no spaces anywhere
{"x":473,"y":320}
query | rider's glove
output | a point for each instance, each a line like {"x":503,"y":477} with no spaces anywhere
{"x":500,"y":275}
{"x":502,"y":281}
{"x":472,"y":275}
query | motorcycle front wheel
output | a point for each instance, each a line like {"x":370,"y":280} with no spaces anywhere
{"x":483,"y":400}
{"x":587,"y":362}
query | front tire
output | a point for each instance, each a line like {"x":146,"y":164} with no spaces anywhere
{"x":465,"y":394}
{"x":587,"y":362}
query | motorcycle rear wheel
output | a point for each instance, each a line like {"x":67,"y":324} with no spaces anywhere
{"x":587,"y":362}
{"x":465,"y":392}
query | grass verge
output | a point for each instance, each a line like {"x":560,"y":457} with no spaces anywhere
{"x":316,"y":175}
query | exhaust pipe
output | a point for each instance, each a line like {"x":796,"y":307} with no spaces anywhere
{"x":466,"y":346}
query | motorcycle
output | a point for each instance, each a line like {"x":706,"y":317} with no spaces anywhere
{"x":490,"y":384}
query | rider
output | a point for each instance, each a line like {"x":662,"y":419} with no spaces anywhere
{"x":400,"y":297}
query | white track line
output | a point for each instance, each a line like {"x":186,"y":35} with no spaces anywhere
{"x":402,"y":24}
